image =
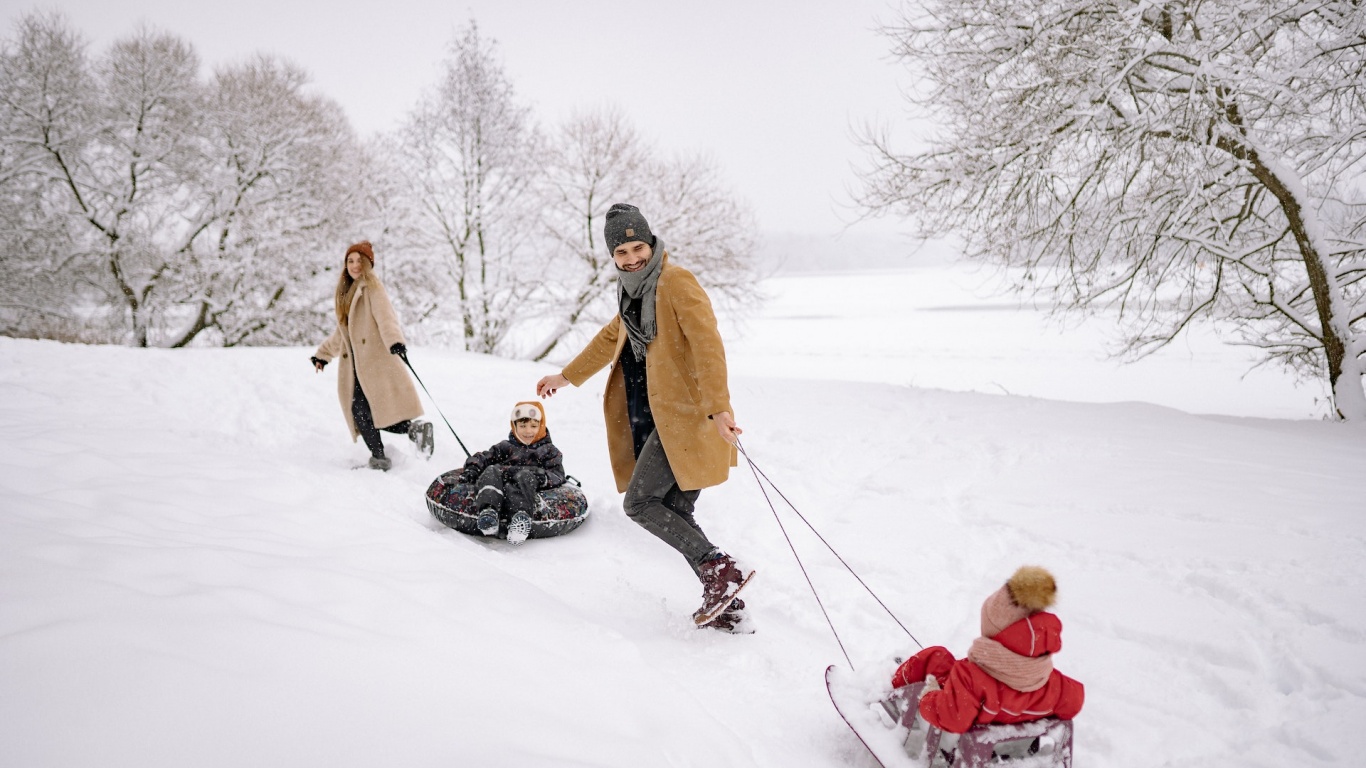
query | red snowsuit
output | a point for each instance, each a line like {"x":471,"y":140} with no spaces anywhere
{"x":970,"y":696}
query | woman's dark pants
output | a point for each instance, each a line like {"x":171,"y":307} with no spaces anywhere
{"x":365,"y":423}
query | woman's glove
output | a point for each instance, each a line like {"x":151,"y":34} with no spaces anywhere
{"x":318,"y":363}
{"x":398,"y":349}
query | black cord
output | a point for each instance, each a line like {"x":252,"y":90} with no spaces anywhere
{"x":404,"y":357}
{"x":758,"y":473}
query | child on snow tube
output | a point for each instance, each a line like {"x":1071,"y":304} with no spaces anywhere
{"x":509,"y":476}
{"x":1008,"y":675}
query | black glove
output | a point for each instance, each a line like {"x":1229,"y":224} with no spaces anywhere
{"x":318,"y":363}
{"x":398,"y":349}
{"x":468,"y":476}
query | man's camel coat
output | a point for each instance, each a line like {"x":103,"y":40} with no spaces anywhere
{"x":685,"y":369}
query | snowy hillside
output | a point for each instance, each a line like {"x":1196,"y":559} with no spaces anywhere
{"x":192,"y":574}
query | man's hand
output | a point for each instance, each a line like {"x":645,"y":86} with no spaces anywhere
{"x":725,"y":427}
{"x":547,"y":386}
{"x":318,"y":363}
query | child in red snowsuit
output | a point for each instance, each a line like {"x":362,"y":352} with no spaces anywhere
{"x":1008,"y":675}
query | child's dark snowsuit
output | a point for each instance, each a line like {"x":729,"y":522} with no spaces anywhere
{"x":508,"y":476}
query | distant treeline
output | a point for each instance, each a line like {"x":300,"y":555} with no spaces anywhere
{"x":144,"y":203}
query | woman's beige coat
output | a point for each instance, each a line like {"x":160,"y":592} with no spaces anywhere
{"x":685,"y":370}
{"x":363,"y":348}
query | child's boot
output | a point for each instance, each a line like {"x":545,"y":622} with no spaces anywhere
{"x":488,"y":521}
{"x":519,"y":528}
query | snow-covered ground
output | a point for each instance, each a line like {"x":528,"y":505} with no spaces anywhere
{"x":191,"y":574}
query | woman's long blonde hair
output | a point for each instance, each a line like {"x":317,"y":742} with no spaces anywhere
{"x":346,"y":287}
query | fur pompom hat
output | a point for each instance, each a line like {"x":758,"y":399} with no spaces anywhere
{"x":529,"y":409}
{"x":1030,"y":590}
{"x":364,"y":249}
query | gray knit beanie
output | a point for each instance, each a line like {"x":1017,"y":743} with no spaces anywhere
{"x":624,"y":224}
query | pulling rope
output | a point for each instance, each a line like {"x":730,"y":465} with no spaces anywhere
{"x":404,"y":357}
{"x":800,"y":564}
{"x":759,"y":473}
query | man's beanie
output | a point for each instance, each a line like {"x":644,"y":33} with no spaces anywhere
{"x":624,"y":224}
{"x":364,"y":249}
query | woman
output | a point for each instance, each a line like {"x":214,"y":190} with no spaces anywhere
{"x":374,"y":390}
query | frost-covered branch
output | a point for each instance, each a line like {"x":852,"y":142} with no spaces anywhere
{"x":1181,"y":161}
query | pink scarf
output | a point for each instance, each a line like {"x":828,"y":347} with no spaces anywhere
{"x":1022,"y":673}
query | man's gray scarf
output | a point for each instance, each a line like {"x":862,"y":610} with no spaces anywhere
{"x":641,"y":285}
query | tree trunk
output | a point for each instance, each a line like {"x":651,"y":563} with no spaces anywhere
{"x":1344,"y":376}
{"x":201,"y":321}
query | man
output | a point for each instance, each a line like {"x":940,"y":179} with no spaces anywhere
{"x":670,"y":432}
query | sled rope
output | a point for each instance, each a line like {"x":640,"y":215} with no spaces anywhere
{"x":758,"y":473}
{"x":800,"y":564}
{"x":404,"y":357}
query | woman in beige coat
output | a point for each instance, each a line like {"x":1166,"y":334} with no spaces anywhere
{"x":374,"y":389}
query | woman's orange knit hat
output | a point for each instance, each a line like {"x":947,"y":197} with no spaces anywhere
{"x":364,"y":249}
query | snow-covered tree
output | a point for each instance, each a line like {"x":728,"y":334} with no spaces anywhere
{"x":706,"y":228}
{"x":597,"y":159}
{"x":148,"y":206}
{"x":1179,"y":160}
{"x":282,"y":189}
{"x":46,"y":94}
{"x":471,"y":156}
{"x":108,"y":145}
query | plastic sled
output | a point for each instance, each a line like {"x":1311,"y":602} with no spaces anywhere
{"x":854,"y":697}
{"x":559,"y":510}
{"x":1045,"y":743}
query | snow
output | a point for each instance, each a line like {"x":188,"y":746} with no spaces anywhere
{"x":192,"y":574}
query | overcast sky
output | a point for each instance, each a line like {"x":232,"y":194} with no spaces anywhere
{"x":773,"y":90}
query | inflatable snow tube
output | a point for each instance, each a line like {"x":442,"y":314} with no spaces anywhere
{"x":560,"y":509}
